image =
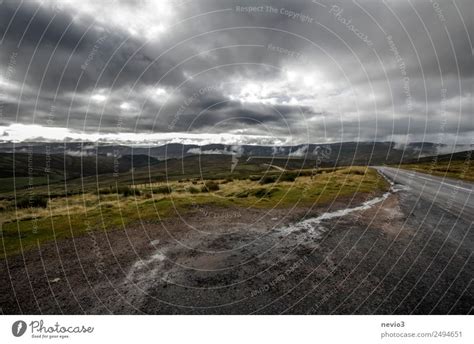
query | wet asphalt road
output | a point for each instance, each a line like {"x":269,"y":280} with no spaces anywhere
{"x":454,"y":196}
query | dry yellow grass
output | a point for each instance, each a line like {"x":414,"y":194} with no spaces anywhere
{"x":80,"y":213}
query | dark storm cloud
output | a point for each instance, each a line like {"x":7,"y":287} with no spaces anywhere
{"x":343,"y":70}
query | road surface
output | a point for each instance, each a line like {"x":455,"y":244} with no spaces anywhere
{"x":281,"y":169}
{"x":454,"y":196}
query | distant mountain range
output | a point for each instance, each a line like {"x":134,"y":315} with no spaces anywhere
{"x":46,"y":163}
{"x":337,"y":153}
{"x":65,"y":167}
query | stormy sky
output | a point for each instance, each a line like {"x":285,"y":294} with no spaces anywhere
{"x":237,"y":72}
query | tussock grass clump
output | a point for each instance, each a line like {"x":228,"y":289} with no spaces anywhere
{"x":106,"y":191}
{"x":106,"y":205}
{"x":268,"y":179}
{"x":32,"y":202}
{"x":210,"y":186}
{"x":127,"y":191}
{"x":356,"y":171}
{"x":288,"y":177}
{"x":163,"y":190}
{"x":193,"y":190}
{"x":259,"y":193}
{"x":242,"y":194}
{"x":264,"y":192}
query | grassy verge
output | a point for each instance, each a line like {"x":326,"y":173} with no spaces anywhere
{"x":75,"y":215}
{"x":463,"y":170}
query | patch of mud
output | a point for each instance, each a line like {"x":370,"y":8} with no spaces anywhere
{"x":388,"y":218}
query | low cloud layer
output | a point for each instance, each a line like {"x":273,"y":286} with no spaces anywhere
{"x":248,"y":72}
